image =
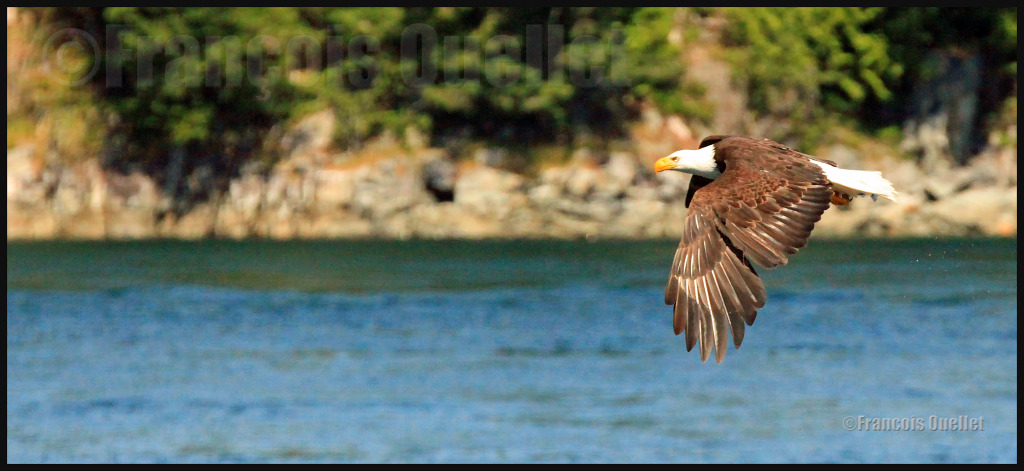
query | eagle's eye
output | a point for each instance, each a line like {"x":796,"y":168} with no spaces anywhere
{"x":675,"y":159}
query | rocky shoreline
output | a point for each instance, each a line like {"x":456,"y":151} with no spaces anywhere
{"x":430,"y":194}
{"x":315,"y":191}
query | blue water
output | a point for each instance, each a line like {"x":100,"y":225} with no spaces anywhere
{"x":528,"y":351}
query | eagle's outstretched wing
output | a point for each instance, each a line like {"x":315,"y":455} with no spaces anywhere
{"x":762,"y":208}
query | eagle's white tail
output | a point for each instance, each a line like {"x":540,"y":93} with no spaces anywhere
{"x":858,"y":182}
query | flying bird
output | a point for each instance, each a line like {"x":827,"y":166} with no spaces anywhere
{"x":749,"y":200}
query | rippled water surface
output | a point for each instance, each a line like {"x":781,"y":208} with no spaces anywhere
{"x":512,"y":351}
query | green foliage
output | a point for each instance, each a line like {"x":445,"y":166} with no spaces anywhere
{"x":546,"y":74}
{"x":49,"y":105}
{"x":816,"y":66}
{"x":207,"y":79}
{"x":805,"y":63}
{"x":914,"y":34}
{"x":655,"y":66}
{"x":222,"y":82}
{"x":201,"y":78}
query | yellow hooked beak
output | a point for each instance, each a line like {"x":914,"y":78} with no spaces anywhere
{"x":663,"y":164}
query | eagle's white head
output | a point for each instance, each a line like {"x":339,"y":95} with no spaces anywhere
{"x":695,"y":162}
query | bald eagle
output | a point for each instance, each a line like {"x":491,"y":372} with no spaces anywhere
{"x":749,"y":200}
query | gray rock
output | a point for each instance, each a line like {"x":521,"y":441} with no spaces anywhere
{"x":489,"y":192}
{"x":492,"y":157}
{"x":945,"y":105}
{"x":622,"y":169}
{"x":582,"y":181}
{"x":387,"y":187}
{"x":985,"y":211}
{"x":439,"y":175}
{"x":311,"y":136}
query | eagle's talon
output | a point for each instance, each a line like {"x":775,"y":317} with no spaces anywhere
{"x":840,"y":199}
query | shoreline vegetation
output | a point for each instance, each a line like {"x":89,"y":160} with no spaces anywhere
{"x":533,"y":156}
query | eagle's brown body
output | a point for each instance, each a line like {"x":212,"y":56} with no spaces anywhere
{"x":762,"y":208}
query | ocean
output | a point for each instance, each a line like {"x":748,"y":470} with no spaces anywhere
{"x":502,"y":352}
